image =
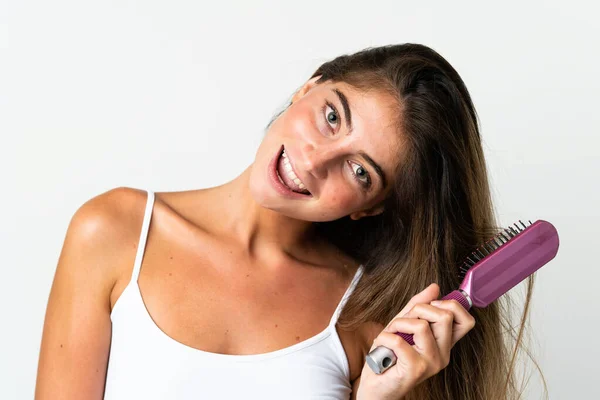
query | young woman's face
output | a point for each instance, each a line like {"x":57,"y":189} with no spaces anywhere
{"x":344,"y":158}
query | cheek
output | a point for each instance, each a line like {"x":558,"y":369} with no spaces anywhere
{"x":343,"y":199}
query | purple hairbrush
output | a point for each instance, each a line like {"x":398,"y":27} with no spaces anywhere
{"x":489,"y":272}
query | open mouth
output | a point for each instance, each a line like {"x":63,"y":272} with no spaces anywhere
{"x":287,"y":176}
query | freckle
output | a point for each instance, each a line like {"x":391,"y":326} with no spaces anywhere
{"x":61,"y":346}
{"x":297,"y":338}
{"x":170,"y":274}
{"x":276,"y":325}
{"x":96,"y":369}
{"x":247,"y":275}
{"x":170,"y":258}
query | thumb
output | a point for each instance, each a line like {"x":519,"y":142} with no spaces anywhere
{"x":427,"y":295}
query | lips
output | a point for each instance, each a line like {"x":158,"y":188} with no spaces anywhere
{"x":288,"y":175}
{"x":276,"y":181}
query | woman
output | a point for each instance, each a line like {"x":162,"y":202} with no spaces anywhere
{"x":369,"y":187}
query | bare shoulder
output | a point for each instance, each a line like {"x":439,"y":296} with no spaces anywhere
{"x":100,"y":240}
{"x":111,"y":212}
{"x":106,"y":227}
{"x":106,"y":230}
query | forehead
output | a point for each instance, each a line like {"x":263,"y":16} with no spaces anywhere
{"x":373,"y":111}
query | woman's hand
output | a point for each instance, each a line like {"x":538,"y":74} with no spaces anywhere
{"x":436,"y":327}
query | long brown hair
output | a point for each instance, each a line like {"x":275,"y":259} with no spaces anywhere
{"x":438,"y":211}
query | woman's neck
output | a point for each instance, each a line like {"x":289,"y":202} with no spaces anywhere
{"x":257,"y":229}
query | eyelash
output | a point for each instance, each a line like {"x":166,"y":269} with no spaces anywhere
{"x":365,"y":185}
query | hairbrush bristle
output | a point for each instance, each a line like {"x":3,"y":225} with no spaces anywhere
{"x":493,"y":244}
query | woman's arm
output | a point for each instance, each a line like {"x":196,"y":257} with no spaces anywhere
{"x":77,"y":327}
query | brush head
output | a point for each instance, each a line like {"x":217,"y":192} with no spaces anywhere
{"x":507,"y":259}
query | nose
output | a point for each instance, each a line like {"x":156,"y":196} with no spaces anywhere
{"x":317,"y":159}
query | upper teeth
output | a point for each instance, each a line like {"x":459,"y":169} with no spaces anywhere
{"x":290,"y":172}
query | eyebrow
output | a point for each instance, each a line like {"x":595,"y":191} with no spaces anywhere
{"x":376,"y":167}
{"x":348,"y":115}
{"x":346,"y":105}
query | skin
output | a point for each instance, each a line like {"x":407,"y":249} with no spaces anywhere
{"x":436,"y":326}
{"x":243,"y":243}
{"x":320,"y":151}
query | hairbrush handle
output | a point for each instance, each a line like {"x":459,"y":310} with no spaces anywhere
{"x":382,"y":358}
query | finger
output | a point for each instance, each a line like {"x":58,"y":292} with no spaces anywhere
{"x":441,"y":325}
{"x":463,"y":320}
{"x":431,"y":292}
{"x":407,"y":358}
{"x":425,"y":343}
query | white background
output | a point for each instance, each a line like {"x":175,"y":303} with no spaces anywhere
{"x":175,"y":95}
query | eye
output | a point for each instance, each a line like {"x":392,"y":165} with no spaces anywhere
{"x":332,"y":117}
{"x":360,"y":174}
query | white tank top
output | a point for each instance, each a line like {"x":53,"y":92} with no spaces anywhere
{"x":145,"y":363}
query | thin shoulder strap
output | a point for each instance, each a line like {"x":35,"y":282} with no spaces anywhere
{"x":143,"y":236}
{"x":347,"y":294}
